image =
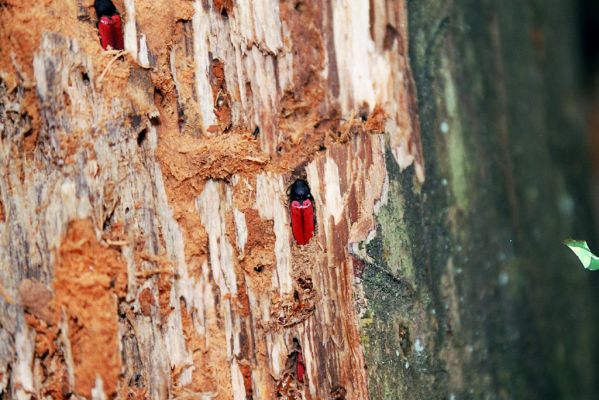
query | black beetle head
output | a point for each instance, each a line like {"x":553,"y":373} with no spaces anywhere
{"x":105,"y":8}
{"x":300,"y":190}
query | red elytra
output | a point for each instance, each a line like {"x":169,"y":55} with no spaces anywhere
{"x":302,"y":221}
{"x":111,"y":32}
{"x":301,"y":368}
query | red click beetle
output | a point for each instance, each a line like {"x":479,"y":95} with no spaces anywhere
{"x":301,"y":367}
{"x":302,"y":212}
{"x":109,"y":25}
{"x":295,"y":365}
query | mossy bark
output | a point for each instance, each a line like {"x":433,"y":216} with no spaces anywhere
{"x":471,"y":294}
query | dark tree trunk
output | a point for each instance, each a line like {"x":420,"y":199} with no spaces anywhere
{"x":145,"y":245}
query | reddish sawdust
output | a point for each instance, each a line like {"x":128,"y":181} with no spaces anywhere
{"x":52,"y":363}
{"x":202,"y":371}
{"x":196,"y":240}
{"x":117,"y":235}
{"x":192,"y":161}
{"x":146,"y":301}
{"x":241,"y":301}
{"x":258,"y":261}
{"x":296,"y":307}
{"x":157,"y":20}
{"x":246,"y":372}
{"x":162,"y":272}
{"x":89,"y":277}
{"x":164,"y":296}
{"x":40,"y":315}
{"x":222,"y":101}
{"x":133,"y":393}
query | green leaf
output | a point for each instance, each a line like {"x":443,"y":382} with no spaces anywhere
{"x":582,"y":251}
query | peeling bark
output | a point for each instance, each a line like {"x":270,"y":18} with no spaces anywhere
{"x":174,"y":158}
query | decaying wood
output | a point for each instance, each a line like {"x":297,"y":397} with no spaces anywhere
{"x":145,"y":200}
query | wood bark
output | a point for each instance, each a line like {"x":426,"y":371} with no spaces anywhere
{"x":146,"y":249}
{"x":146,"y":239}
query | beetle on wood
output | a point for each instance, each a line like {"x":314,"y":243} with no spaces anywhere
{"x":295,"y":365}
{"x":110,"y":25}
{"x":302,"y":211}
{"x":300,"y":367}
